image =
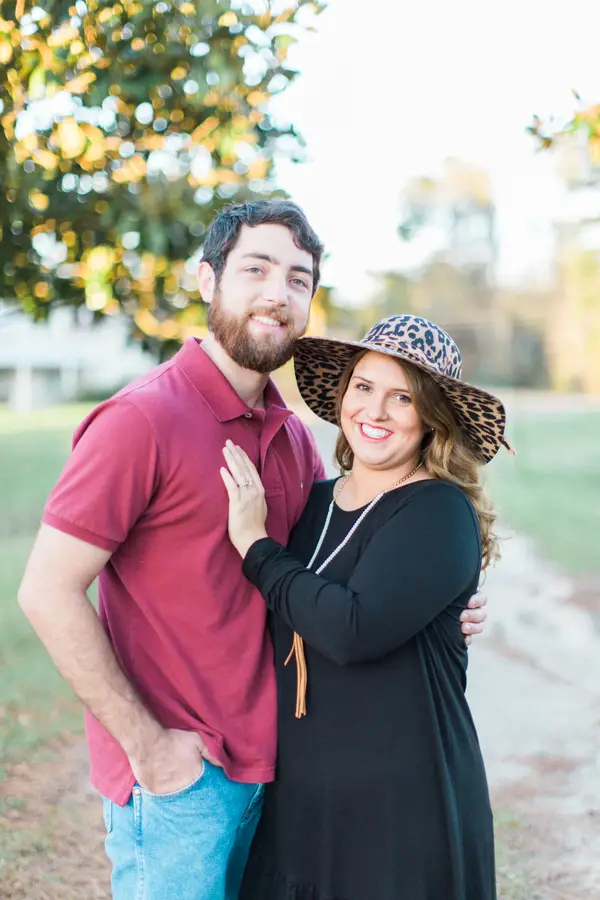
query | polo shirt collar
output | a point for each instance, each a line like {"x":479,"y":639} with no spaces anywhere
{"x":224,"y":402}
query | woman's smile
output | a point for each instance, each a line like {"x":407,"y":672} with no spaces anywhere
{"x":373,"y":432}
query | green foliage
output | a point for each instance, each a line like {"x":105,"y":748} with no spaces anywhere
{"x":585,"y":123}
{"x":124,"y":127}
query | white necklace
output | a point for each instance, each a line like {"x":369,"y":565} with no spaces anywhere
{"x":363,"y":514}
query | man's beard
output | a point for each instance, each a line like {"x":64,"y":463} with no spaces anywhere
{"x":264,"y":354}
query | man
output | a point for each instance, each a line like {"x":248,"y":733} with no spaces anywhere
{"x":176,"y":672}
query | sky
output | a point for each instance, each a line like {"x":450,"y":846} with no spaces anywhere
{"x":388,"y":90}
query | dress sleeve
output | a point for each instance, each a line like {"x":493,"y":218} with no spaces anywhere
{"x":422,"y":560}
{"x":109,"y":479}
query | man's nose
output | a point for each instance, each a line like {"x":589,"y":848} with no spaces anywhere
{"x":276,"y":289}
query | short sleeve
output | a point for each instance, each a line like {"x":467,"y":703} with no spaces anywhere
{"x":109,"y":479}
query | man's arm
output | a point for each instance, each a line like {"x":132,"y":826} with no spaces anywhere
{"x":54,"y":599}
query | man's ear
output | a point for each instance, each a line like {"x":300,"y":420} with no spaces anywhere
{"x":206,"y":281}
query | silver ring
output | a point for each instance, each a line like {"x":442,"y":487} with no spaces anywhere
{"x":246,"y":483}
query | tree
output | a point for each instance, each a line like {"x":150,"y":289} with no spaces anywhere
{"x":581,"y":132}
{"x":459,"y":206}
{"x":124,"y":127}
{"x":574,"y":321}
{"x":454,"y":216}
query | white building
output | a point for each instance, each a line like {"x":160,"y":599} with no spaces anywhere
{"x":58,"y":361}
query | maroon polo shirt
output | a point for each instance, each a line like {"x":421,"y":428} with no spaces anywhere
{"x":186,"y":626}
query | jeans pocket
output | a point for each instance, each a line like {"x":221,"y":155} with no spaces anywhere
{"x":174,"y":795}
{"x":107,"y":814}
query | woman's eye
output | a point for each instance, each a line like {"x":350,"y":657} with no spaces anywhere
{"x":362,"y":387}
{"x":403,"y":398}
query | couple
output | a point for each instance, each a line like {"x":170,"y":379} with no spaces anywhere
{"x":381,"y":791}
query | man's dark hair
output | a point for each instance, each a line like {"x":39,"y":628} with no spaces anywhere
{"x":223,"y":232}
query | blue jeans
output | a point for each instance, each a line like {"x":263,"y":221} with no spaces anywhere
{"x":190,"y":845}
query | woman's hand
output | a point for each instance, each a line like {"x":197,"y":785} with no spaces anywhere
{"x":247,"y":505}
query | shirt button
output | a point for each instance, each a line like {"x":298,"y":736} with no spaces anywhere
{"x":137,"y":791}
{"x":248,"y":415}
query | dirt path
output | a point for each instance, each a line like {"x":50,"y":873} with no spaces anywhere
{"x":534,"y":687}
{"x":51,"y":823}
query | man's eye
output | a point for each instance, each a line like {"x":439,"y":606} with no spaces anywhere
{"x":299,"y":282}
{"x":254,"y":270}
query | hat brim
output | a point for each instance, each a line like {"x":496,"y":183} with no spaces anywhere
{"x":319,"y":364}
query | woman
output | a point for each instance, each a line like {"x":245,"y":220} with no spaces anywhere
{"x":381,"y":792}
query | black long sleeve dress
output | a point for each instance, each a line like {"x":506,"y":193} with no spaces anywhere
{"x":381,"y":791}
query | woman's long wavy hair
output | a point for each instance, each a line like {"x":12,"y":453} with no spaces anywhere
{"x":445,"y":451}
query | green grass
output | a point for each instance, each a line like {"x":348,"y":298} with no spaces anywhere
{"x":551,"y":489}
{"x":513,"y":881}
{"x":35,"y":704}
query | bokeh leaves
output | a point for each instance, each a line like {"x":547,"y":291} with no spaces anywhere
{"x":124,"y":127}
{"x":585,"y":125}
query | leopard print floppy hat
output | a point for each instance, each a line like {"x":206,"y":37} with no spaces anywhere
{"x":320,"y":362}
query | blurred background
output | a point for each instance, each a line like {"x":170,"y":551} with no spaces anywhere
{"x":449,"y":157}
